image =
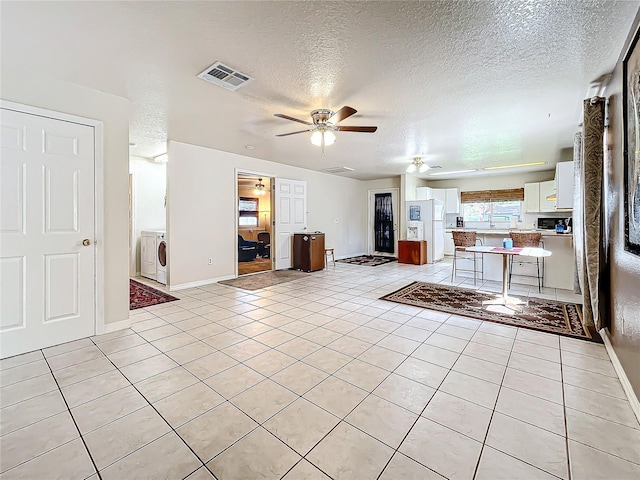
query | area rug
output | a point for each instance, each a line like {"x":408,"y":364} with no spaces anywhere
{"x":537,"y":313}
{"x":264,"y":280}
{"x":368,"y":260}
{"x":141,"y":295}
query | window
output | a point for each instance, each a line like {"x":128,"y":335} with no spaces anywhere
{"x":248,"y":208}
{"x":492,"y":205}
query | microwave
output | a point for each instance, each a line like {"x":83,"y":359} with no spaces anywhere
{"x":550,"y":223}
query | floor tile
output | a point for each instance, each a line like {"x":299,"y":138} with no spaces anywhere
{"x":245,"y":350}
{"x":538,"y":351}
{"x":23,"y":372}
{"x":301,"y":425}
{"x":587,"y":462}
{"x":443,"y":450}
{"x":26,"y":389}
{"x":327,"y":360}
{"x":133,"y":355}
{"x":165,"y":384}
{"x":492,"y":340}
{"x":209,"y":365}
{"x":537,"y":366}
{"x":20,"y":359}
{"x":187,"y":404}
{"x":298,"y":348}
{"x":234,"y":380}
{"x":495,"y":465}
{"x":405,"y":392}
{"x":593,"y":381}
{"x":362,"y":374}
{"x":609,"y":437}
{"x":19,"y":415}
{"x":270,"y":362}
{"x":24,"y":444}
{"x":439,"y":356}
{"x":588,"y":401}
{"x":121,"y":343}
{"x":125,"y":435}
{"x":382,"y":357}
{"x":382,"y":419}
{"x":305,"y":471}
{"x":258,"y":455}
{"x":159,"y":332}
{"x":202,"y":473}
{"x":583,"y":348}
{"x":487,"y":353}
{"x":533,"y":410}
{"x":108,"y":408}
{"x":166,"y":457}
{"x":92,"y":388}
{"x":263,"y":400}
{"x":460,"y":415}
{"x":74,"y":357}
{"x":590,"y":364}
{"x":447,"y":342}
{"x":423,"y":372}
{"x":149,"y":367}
{"x":69,"y":461}
{"x":347,"y":453}
{"x":491,"y":372}
{"x":402,"y":467}
{"x":470,"y":388}
{"x":67,"y":347}
{"x":299,"y":377}
{"x":190,"y":352}
{"x":533,"y":385}
{"x":349,"y":346}
{"x":336,"y":396}
{"x":530,"y":444}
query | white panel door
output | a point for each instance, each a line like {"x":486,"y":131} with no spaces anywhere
{"x":290,"y":217}
{"x":47,"y":274}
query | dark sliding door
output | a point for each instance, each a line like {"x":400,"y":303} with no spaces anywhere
{"x":383,"y":223}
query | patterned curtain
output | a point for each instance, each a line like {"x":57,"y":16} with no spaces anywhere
{"x":383,"y":223}
{"x":578,"y":238}
{"x":591,"y":181}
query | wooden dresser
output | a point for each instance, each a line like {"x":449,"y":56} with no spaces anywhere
{"x":412,"y":251}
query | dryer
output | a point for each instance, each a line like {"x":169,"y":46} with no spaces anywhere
{"x":153,"y":255}
{"x":161,"y":258}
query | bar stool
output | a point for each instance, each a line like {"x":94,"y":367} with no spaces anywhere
{"x":523,"y":240}
{"x":462,"y":240}
{"x":327,"y":252}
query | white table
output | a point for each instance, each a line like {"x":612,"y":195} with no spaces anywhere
{"x":504,"y":299}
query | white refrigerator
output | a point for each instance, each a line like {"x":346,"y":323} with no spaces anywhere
{"x":431,"y":214}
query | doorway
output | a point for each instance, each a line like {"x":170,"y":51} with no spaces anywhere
{"x":383,"y":218}
{"x":254,"y":224}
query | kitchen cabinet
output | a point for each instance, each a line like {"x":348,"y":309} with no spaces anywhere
{"x":424,"y":193}
{"x":547,"y":189}
{"x":452,"y":200}
{"x":535,"y":197}
{"x":564,"y":185}
{"x":412,"y":251}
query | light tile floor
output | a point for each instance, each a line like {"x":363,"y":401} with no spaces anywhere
{"x":317,"y":379}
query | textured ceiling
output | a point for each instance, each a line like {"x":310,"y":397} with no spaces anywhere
{"x":465,"y":84}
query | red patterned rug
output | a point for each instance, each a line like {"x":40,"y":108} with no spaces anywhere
{"x":536,"y":313}
{"x":141,"y":295}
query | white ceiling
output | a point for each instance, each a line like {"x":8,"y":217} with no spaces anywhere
{"x":465,"y":84}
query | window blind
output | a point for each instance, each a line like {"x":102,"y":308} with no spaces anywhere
{"x":478,"y":196}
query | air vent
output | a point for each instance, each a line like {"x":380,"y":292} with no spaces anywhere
{"x":434,"y":166}
{"x":225,"y":76}
{"x":337,"y":170}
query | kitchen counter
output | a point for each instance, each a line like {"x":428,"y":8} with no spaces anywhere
{"x":502,"y":232}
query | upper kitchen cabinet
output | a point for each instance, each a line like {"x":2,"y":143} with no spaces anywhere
{"x":535,"y":197}
{"x":450,"y":197}
{"x":564,"y":186}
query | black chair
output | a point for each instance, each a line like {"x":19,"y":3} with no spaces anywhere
{"x":265,"y":238}
{"x":248,"y":249}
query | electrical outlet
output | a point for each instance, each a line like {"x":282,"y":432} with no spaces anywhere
{"x":335,"y":221}
{"x":210,"y":261}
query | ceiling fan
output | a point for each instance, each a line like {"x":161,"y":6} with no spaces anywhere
{"x":324,"y":124}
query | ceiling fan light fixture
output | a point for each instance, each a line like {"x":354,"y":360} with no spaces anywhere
{"x":317,"y":136}
{"x":417,"y":165}
{"x":411,"y":168}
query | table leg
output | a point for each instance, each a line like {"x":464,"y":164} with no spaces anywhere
{"x":504,"y":299}
{"x":504,"y":277}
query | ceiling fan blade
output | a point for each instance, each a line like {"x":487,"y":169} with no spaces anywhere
{"x":358,"y":129}
{"x":287,"y":117}
{"x":292,"y":133}
{"x":341,"y":114}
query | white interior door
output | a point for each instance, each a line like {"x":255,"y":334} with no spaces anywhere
{"x":396,"y":219}
{"x":290,"y":217}
{"x":47,"y":230}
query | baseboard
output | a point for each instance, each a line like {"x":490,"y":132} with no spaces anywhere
{"x":112,"y":327}
{"x":199,"y":283}
{"x":622,"y":375}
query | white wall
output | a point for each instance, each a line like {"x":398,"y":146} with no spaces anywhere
{"x":202,"y":210}
{"x":149,"y":189}
{"x":35,"y":89}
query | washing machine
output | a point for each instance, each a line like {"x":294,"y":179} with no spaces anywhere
{"x":153,"y":255}
{"x":161,"y":258}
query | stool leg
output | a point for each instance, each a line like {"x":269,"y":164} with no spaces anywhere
{"x":453,"y":268}
{"x":333,"y":258}
{"x":475,"y":275}
{"x":538,"y":267}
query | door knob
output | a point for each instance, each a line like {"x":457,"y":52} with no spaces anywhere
{"x":86,"y":242}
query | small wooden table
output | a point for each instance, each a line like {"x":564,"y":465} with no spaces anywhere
{"x":504,"y":299}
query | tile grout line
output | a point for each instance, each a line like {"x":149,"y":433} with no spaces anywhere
{"x":564,"y":413}
{"x":97,"y":472}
